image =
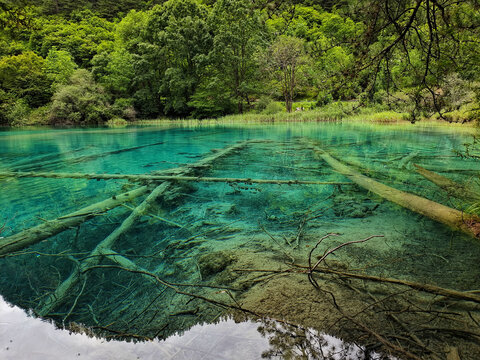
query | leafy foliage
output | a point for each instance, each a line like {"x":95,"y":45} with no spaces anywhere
{"x":24,"y":76}
{"x":59,"y":66}
{"x":81,"y":101}
{"x":232,"y":69}
{"x":82,"y":37}
{"x":208,"y":58}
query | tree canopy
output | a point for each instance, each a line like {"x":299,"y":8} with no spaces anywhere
{"x":207,"y":58}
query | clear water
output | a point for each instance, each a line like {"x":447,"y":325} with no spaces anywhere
{"x":223,"y":340}
{"x":239,"y":226}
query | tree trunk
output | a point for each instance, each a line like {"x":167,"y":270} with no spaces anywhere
{"x":50,"y":228}
{"x":458,"y":220}
{"x":450,"y":186}
{"x":62,"y":292}
{"x":288,"y":103}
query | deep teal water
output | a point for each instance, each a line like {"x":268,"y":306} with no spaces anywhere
{"x":232,"y":215}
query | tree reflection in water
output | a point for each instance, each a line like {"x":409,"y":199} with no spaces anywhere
{"x":294,"y":342}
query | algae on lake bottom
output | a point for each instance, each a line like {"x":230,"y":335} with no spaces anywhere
{"x":247,"y":245}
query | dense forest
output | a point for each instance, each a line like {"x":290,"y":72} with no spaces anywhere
{"x":90,"y":61}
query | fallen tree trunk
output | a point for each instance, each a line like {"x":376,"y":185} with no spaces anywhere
{"x":61,"y":293}
{"x":457,"y":220}
{"x":403,"y":163}
{"x":450,"y":186}
{"x":85,"y":157}
{"x":56,"y":298}
{"x":50,"y":228}
{"x":432,"y":289}
{"x":142,"y":177}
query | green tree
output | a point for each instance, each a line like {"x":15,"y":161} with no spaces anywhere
{"x":129,"y":31}
{"x":414,"y":46}
{"x":24,"y":76}
{"x":81,"y":101}
{"x":83,"y":38}
{"x":286,"y":59}
{"x":59,"y":66}
{"x":233,"y":71}
{"x":114,"y":71}
{"x":167,"y":63}
{"x":328,"y":41}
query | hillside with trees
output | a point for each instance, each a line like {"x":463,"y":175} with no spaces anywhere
{"x":86,"y":62}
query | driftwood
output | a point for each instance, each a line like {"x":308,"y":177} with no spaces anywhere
{"x":134,"y":177}
{"x":61,"y":293}
{"x":457,"y":220}
{"x":450,"y":186}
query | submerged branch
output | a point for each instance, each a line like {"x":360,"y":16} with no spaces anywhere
{"x":62,"y":292}
{"x":134,"y":177}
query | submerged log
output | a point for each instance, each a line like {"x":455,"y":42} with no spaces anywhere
{"x":50,"y":228}
{"x":62,"y":292}
{"x":428,"y":288}
{"x":85,"y":157}
{"x":457,"y":220}
{"x":142,"y":177}
{"x":404,"y":162}
{"x":450,"y":186}
{"x":56,"y":298}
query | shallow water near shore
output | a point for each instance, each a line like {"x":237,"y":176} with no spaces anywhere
{"x":217,"y":238}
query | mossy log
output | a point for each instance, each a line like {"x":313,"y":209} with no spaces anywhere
{"x":451,"y":187}
{"x":62,"y":292}
{"x":142,"y":177}
{"x":457,"y":220}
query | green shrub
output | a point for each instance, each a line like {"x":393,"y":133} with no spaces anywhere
{"x":117,"y":122}
{"x":273,"y":108}
{"x":262,"y":103}
{"x":123,"y":108}
{"x":38,"y":116}
{"x":79,"y":102}
{"x":17,"y":113}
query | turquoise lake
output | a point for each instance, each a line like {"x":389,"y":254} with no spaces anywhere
{"x":243,"y":245}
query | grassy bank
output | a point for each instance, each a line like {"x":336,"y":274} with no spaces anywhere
{"x":334,"y":112}
{"x":338,"y":111}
